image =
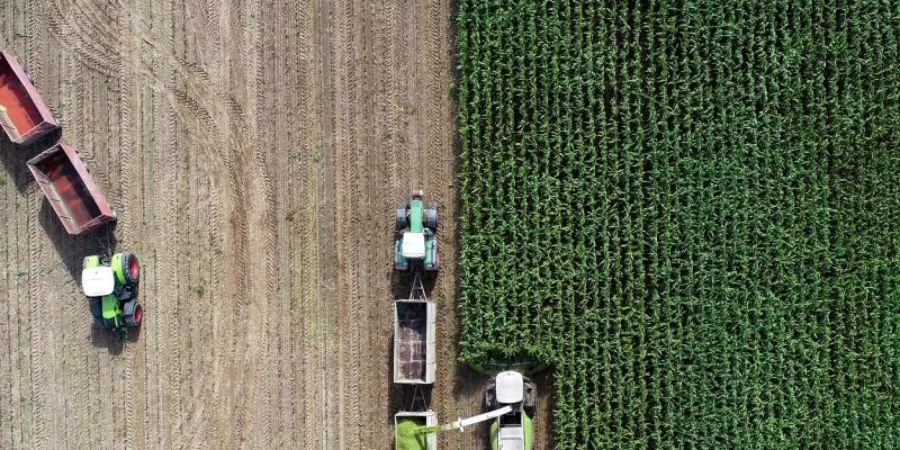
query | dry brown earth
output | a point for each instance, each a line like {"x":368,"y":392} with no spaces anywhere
{"x":254,"y":152}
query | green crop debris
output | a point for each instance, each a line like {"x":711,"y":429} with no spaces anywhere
{"x":690,"y":210}
{"x":411,"y":435}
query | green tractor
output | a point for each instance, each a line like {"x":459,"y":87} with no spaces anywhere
{"x":112,"y":287}
{"x":416,"y":248}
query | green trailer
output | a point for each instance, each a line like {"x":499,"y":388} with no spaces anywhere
{"x":411,"y":430}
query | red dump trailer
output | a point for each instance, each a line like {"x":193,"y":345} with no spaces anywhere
{"x":70,"y":188}
{"x":23,"y":115}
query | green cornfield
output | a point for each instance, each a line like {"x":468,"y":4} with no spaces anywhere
{"x":690,"y":211}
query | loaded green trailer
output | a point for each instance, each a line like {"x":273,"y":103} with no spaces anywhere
{"x":510,"y":401}
{"x":415,"y":430}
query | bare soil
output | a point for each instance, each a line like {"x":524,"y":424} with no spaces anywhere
{"x":254,"y":153}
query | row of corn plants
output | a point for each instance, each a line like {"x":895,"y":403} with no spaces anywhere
{"x":690,"y":210}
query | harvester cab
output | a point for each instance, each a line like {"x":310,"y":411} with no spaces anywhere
{"x":111,"y":285}
{"x":512,"y":430}
{"x":416,"y":248}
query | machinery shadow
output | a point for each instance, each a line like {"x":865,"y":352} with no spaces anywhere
{"x":113,"y":341}
{"x":401,"y":283}
{"x":71,"y":251}
{"x":395,"y":391}
{"x":14,"y":158}
{"x":467,"y":381}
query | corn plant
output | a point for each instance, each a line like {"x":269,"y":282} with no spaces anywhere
{"x":690,"y":210}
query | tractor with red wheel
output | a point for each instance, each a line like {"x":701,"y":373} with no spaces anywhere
{"x":111,"y":284}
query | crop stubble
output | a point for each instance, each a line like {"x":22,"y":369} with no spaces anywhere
{"x":254,"y":152}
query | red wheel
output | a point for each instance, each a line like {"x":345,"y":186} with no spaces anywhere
{"x":129,"y":266}
{"x":134,"y":268}
{"x":134,"y":320}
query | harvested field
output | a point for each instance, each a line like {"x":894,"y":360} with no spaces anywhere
{"x":254,"y":152}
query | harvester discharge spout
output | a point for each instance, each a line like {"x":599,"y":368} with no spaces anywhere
{"x":461,"y":424}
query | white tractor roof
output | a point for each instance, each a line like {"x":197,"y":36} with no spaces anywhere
{"x":510,"y":387}
{"x":512,"y":438}
{"x":413,"y":246}
{"x":97,"y":281}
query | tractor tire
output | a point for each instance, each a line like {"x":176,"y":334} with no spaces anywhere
{"x":136,"y":316}
{"x":401,"y":221}
{"x":128,"y":293}
{"x":431,"y":217}
{"x":436,"y":264}
{"x":130,"y":267}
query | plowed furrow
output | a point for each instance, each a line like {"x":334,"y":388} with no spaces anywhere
{"x":78,"y":36}
{"x":347,"y":218}
{"x":41,"y":406}
{"x":273,"y":77}
{"x":7,"y":259}
{"x":307,"y":201}
{"x":254,"y":152}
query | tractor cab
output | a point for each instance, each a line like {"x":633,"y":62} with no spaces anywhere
{"x":513,"y":430}
{"x":416,"y":248}
{"x":98,"y":281}
{"x":111,"y":285}
{"x":413,"y":245}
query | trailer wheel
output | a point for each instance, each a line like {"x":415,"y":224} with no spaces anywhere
{"x":134,"y":320}
{"x":130,"y":267}
{"x":401,"y":220}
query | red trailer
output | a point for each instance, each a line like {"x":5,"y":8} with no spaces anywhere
{"x":70,"y":188}
{"x":23,"y":115}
